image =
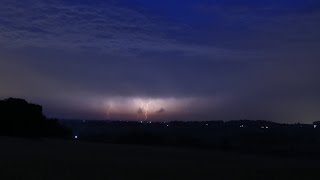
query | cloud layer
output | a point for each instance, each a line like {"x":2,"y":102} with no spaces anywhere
{"x":217,"y":60}
{"x":105,"y":26}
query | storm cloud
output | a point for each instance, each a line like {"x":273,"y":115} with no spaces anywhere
{"x":211,"y":60}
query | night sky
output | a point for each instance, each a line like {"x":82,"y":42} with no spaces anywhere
{"x":176,"y":59}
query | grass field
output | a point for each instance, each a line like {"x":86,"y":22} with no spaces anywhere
{"x":42,"y":159}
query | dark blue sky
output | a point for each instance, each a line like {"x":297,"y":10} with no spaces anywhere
{"x":191,"y":59}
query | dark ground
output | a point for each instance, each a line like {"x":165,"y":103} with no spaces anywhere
{"x":33,"y":159}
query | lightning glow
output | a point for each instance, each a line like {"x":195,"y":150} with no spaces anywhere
{"x":145,"y":109}
{"x":109,"y":108}
{"x":140,"y":108}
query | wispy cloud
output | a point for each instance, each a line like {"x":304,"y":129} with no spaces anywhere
{"x":106,"y":27}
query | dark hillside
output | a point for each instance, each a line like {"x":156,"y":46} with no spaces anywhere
{"x":20,"y":118}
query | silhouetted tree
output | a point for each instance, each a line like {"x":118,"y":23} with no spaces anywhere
{"x":20,"y":118}
{"x":316,"y":123}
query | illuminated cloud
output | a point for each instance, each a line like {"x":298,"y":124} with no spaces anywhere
{"x":161,"y":111}
{"x":140,"y":111}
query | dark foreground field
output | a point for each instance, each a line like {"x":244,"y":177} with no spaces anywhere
{"x":34,"y":159}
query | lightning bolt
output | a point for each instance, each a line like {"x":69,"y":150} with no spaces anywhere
{"x":145,"y":108}
{"x":109,"y":108}
{"x":108,"y":117}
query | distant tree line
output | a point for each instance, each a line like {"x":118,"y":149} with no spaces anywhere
{"x":245,"y":136}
